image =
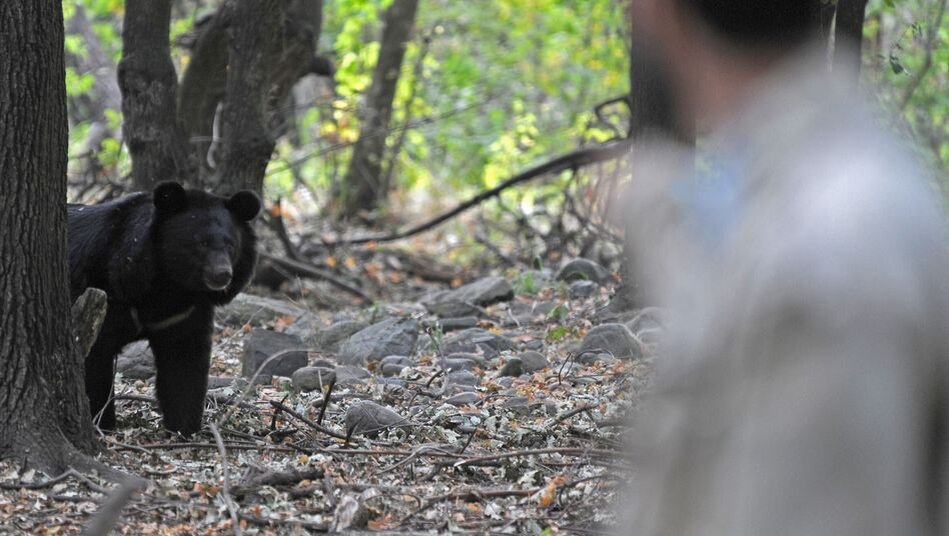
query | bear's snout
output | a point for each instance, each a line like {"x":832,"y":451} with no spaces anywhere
{"x":217,"y":275}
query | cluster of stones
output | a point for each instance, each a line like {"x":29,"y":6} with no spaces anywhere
{"x":442,"y":331}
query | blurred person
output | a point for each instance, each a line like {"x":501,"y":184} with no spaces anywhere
{"x":800,"y":388}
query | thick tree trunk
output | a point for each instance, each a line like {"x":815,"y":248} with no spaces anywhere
{"x":362,"y":186}
{"x":42,"y":419}
{"x":149,"y":86}
{"x":247,"y":143}
{"x":272,"y":46}
{"x":202,"y":87}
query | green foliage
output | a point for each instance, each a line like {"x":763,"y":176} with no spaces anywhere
{"x":526,"y":283}
{"x":561,"y":333}
{"x":897,"y":38}
{"x":499,"y":86}
{"x":558,"y":313}
{"x":502,"y":85}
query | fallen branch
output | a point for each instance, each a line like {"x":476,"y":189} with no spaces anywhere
{"x":225,"y":476}
{"x":108,"y":516}
{"x":303,"y":269}
{"x":571,"y":160}
{"x":306,"y":421}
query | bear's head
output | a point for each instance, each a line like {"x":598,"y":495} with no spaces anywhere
{"x":203,"y":242}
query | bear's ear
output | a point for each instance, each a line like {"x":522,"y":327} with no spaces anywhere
{"x":170,"y":197}
{"x":244,"y":204}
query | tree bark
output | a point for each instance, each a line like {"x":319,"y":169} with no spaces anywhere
{"x":652,"y":115}
{"x":42,"y":420}
{"x":848,"y":35}
{"x":247,"y":56}
{"x":149,"y":85}
{"x":247,"y":143}
{"x":202,"y":87}
{"x":362,"y":186}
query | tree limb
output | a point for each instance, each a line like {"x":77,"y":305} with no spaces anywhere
{"x":571,"y":160}
{"x":930,"y":44}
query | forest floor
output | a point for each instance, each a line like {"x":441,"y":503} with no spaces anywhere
{"x":517,"y":430}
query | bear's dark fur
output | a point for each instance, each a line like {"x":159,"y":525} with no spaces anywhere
{"x":164,"y":259}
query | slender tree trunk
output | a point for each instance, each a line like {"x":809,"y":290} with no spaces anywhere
{"x":653,"y":115}
{"x":362,"y":185}
{"x":848,"y":34}
{"x":149,"y":86}
{"x":42,"y":419}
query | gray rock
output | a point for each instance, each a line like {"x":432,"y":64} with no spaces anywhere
{"x":454,"y":324}
{"x":589,"y":358}
{"x":391,"y":369}
{"x":465,"y":300}
{"x":397,"y":360}
{"x":513,"y":367}
{"x":536,"y":344}
{"x":256,"y":310}
{"x":462,"y":356}
{"x":393,"y":365}
{"x":463,"y":377}
{"x":584,"y":269}
{"x":477,"y":340}
{"x":505,"y":381}
{"x":396,"y":382}
{"x":582,"y":288}
{"x":533,"y":361}
{"x":329,"y":339}
{"x":460,"y":364}
{"x":136,"y":361}
{"x":650,"y":335}
{"x":649,"y":318}
{"x":369,"y":418}
{"x":349,"y":375}
{"x":217,"y":382}
{"x":285,"y":353}
{"x":464,"y":398}
{"x":614,"y":339}
{"x":325,"y":363}
{"x":392,"y":336}
{"x":518,"y":404}
{"x":309,"y":379}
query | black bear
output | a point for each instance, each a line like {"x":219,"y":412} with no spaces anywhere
{"x":164,"y":259}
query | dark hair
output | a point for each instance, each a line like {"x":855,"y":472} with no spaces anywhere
{"x":759,"y":22}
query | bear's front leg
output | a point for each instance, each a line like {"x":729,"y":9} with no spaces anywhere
{"x":100,"y":376}
{"x":182,"y":358}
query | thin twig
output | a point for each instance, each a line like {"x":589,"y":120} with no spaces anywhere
{"x":306,"y":421}
{"x":305,"y":269}
{"x":225,"y":491}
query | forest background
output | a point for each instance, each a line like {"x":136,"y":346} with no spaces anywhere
{"x":485,"y":90}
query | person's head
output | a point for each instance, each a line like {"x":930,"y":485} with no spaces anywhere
{"x":713,"y":48}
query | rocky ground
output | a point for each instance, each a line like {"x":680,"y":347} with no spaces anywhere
{"x":494,"y":407}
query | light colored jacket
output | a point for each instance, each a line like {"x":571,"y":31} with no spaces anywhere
{"x":801,"y":387}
